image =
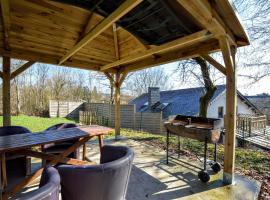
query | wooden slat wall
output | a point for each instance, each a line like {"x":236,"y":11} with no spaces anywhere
{"x":66,"y":109}
{"x":149,"y":122}
{"x":104,"y":113}
{"x":107,"y":111}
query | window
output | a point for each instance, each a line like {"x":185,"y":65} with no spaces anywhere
{"x":220,"y":112}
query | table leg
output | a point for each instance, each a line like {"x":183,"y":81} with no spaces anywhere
{"x":84,"y":152}
{"x":1,"y":185}
{"x":100,"y":140}
{"x":4,"y":170}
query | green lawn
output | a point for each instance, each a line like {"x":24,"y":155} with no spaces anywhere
{"x":35,"y":124}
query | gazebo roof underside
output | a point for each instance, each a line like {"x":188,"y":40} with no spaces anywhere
{"x":73,"y":35}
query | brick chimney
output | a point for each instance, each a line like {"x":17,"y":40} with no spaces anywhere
{"x":153,"y":95}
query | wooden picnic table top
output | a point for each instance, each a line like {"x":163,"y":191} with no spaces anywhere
{"x":26,"y":140}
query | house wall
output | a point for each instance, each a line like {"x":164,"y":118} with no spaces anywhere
{"x":219,"y":101}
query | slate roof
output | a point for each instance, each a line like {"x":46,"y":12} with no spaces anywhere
{"x":183,"y":101}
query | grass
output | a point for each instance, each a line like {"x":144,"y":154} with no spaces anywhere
{"x":35,"y":124}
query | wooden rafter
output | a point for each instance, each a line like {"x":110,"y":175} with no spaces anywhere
{"x":21,"y":69}
{"x":122,"y":78}
{"x":181,"y":42}
{"x":215,"y":63}
{"x":6,"y":21}
{"x":203,"y":14}
{"x":169,"y":57}
{"x":103,"y":25}
{"x":116,"y":44}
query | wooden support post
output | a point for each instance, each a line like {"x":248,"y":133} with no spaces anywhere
{"x":6,"y":92}
{"x":231,"y":101}
{"x":117,"y":94}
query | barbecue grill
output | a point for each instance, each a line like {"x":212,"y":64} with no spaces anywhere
{"x":205,"y":130}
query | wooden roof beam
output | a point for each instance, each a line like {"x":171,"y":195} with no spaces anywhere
{"x":50,"y":59}
{"x":6,"y":21}
{"x":201,"y":11}
{"x":21,"y":69}
{"x":178,"y":43}
{"x":172,"y":57}
{"x":99,"y":28}
{"x":215,"y":63}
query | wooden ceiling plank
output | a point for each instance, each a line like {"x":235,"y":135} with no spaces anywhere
{"x":178,"y":43}
{"x":6,"y":21}
{"x":215,"y":63}
{"x":202,"y":13}
{"x":103,"y":25}
{"x":21,"y":69}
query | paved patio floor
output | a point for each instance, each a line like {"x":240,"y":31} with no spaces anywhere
{"x":152,"y":178}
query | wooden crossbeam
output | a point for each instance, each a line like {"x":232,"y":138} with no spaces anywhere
{"x":215,"y":63}
{"x":38,"y":57}
{"x":21,"y":69}
{"x":103,"y":25}
{"x":46,"y":156}
{"x":181,"y":42}
{"x":169,"y":57}
{"x":203,"y":14}
{"x":6,"y":21}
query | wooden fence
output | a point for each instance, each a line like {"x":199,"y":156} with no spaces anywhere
{"x":69,"y":109}
{"x":103,"y":114}
{"x":251,"y":125}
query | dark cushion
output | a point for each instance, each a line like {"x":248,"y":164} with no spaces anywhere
{"x":16,"y":164}
{"x":13,"y":130}
{"x":107,"y":181}
{"x":48,"y":188}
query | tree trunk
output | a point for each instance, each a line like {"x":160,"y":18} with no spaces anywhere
{"x":209,"y":87}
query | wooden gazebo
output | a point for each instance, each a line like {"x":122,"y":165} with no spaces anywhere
{"x":65,"y":32}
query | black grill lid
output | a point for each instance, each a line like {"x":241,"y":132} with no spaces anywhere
{"x":154,"y":22}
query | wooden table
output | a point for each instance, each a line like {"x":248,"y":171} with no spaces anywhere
{"x":22,"y":143}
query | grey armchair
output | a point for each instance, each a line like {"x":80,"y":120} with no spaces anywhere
{"x":17,"y":165}
{"x":56,"y":148}
{"x":49,"y":187}
{"x":107,"y":181}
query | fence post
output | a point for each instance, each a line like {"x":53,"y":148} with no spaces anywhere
{"x":249,"y":127}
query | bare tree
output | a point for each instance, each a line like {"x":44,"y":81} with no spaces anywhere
{"x":255,"y":14}
{"x":138,"y":82}
{"x":57,"y":84}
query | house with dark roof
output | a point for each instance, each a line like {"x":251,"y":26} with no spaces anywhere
{"x":187,"y":102}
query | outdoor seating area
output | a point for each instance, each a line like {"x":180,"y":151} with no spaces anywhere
{"x":114,"y":38}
